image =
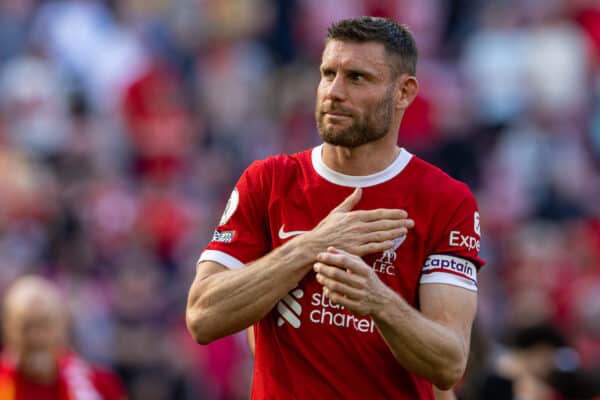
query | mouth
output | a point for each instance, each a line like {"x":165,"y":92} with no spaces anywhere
{"x":336,"y":114}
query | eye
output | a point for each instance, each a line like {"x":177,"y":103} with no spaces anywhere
{"x":356,"y":76}
{"x":328,"y":73}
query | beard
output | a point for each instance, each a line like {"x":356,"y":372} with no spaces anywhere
{"x":372,"y":125}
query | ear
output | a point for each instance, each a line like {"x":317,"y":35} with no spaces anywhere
{"x":408,"y":87}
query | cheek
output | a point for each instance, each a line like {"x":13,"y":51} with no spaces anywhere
{"x":321,"y":90}
{"x":14,"y":333}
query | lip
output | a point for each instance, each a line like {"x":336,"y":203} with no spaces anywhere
{"x":337,"y":115}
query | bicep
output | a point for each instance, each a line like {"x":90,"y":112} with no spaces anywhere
{"x":451,"y":306}
{"x":204,"y":269}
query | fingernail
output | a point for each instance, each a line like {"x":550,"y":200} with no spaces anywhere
{"x":316,"y":267}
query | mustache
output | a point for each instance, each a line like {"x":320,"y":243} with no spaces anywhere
{"x":335,"y":108}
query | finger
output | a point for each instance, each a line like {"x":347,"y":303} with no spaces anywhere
{"x":350,"y":201}
{"x":372,"y":248}
{"x":382,"y":236}
{"x":341,"y":259}
{"x":352,"y":305}
{"x":339,"y":275}
{"x":335,"y":250}
{"x":380,"y":213}
{"x":336,"y":286}
{"x":387,"y":224}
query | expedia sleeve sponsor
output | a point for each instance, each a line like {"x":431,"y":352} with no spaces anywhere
{"x":456,"y":230}
{"x":451,"y":270}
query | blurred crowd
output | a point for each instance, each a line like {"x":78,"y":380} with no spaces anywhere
{"x":124,"y":125}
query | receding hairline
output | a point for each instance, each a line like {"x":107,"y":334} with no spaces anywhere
{"x":31,"y":290}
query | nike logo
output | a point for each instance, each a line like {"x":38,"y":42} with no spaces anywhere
{"x":284,"y":235}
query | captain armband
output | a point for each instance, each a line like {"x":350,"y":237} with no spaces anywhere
{"x":451,"y":270}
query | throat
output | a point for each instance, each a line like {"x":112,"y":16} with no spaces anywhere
{"x":360,"y":161}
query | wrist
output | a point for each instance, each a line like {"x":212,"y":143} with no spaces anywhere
{"x":301,"y":251}
{"x":310,"y":245}
{"x":388,"y":307}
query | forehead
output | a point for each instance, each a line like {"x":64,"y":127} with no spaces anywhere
{"x":34,"y":309}
{"x":370,"y":55}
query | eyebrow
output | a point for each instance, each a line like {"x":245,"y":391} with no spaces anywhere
{"x":360,"y":71}
{"x":352,"y":69}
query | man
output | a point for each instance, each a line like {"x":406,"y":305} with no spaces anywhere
{"x":525,"y":367}
{"x":35,"y":363}
{"x":349,"y":297}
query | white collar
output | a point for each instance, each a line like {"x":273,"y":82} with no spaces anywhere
{"x":359,"y":181}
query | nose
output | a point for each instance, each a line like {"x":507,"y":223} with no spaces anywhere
{"x":336,"y":89}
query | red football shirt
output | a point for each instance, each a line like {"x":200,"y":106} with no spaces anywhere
{"x":307,"y":347}
{"x":77,"y":380}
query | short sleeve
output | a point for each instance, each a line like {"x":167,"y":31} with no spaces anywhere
{"x":242,"y":235}
{"x":454,"y":256}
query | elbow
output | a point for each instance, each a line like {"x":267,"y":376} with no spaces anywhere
{"x":448,"y":376}
{"x":445,"y":384}
{"x":197,"y":326}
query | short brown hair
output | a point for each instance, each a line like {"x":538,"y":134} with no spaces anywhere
{"x":396,"y":38}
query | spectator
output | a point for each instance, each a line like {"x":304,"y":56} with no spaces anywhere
{"x":37,"y":362}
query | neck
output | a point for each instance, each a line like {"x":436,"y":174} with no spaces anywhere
{"x":367,"y":159}
{"x":43,"y":371}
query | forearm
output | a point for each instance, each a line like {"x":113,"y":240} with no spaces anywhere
{"x":229,"y":301}
{"x":421,"y":345}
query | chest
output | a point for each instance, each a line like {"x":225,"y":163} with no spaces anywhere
{"x":300,"y":208}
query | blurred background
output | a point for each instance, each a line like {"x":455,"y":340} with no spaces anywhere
{"x":124,"y":125}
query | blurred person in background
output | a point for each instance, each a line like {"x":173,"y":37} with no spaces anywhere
{"x":36,"y":362}
{"x":532,"y":366}
{"x":358,"y":306}
{"x":535,"y":364}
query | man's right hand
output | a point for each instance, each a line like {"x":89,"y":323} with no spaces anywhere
{"x":359,"y":232}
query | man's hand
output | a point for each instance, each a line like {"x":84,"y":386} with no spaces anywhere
{"x":432,"y":342}
{"x":359,"y":232}
{"x":348,"y":281}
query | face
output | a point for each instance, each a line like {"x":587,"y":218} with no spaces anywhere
{"x":36,"y":331}
{"x":356,"y":94}
{"x":540,"y":359}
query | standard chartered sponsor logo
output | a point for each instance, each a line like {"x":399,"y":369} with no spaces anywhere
{"x":328,"y":313}
{"x":324,"y":312}
{"x":289,"y":309}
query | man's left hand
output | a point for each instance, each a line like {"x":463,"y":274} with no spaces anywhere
{"x":348,"y":281}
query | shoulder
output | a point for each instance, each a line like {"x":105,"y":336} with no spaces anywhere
{"x":279,"y":165}
{"x":286,"y":160}
{"x":5,"y":365}
{"x":437,"y":185}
